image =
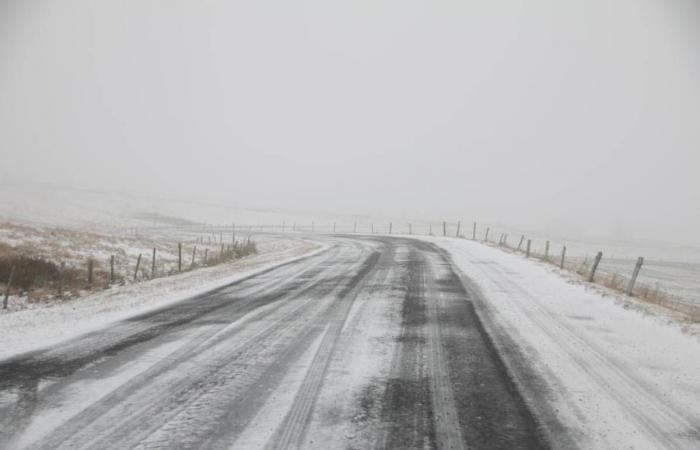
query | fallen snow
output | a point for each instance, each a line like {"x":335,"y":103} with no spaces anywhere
{"x":30,"y":329}
{"x":619,"y":378}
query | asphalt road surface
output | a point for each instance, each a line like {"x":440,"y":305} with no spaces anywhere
{"x":374,"y":343}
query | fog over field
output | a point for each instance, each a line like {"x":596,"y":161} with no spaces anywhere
{"x":580,"y":118}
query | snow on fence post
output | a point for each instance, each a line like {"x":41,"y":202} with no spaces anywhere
{"x":111,"y":269}
{"x":9,"y":285}
{"x":179,"y":256}
{"x":527,"y":249}
{"x":444,"y":228}
{"x":546,"y":252}
{"x":138,"y":263}
{"x":595,"y":266}
{"x":474,"y":232}
{"x":486,"y":236}
{"x":563,"y":256}
{"x":459,"y":224}
{"x":153,"y":264}
{"x":633,"y":280}
{"x":520,"y":244}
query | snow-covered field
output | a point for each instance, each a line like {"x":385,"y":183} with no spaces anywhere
{"x":48,"y":323}
{"x":617,"y":376}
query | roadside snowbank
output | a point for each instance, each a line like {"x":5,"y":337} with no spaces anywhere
{"x":31,"y":329}
{"x":616,"y":377}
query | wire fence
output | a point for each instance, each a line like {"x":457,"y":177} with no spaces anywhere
{"x":672,"y":284}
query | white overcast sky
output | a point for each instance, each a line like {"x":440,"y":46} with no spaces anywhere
{"x":579,"y":115}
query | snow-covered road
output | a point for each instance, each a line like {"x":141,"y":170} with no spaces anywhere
{"x":376,"y":342}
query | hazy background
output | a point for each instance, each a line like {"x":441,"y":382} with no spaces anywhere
{"x":575,"y":117}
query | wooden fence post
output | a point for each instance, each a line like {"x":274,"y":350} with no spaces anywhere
{"x":430,"y":229}
{"x":153,"y":264}
{"x":474,"y":232}
{"x":61,"y":269}
{"x":233,"y":232}
{"x":221,"y":253}
{"x":138,"y":263}
{"x":444,"y":228}
{"x":459,"y":224}
{"x":206,"y":253}
{"x":527,"y":249}
{"x":194,"y":253}
{"x":563,"y":256}
{"x":595,"y":266}
{"x":633,"y":280}
{"x":9,"y":285}
{"x":486,"y":236}
{"x":179,"y":256}
{"x":90,"y":267}
{"x":520,"y":244}
{"x":390,"y":227}
{"x":505,"y":240}
{"x":372,"y":228}
{"x":546,"y":251}
{"x":111,"y":269}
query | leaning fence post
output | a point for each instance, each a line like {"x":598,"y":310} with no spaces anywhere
{"x":527,"y":249}
{"x":153,"y":264}
{"x":138,"y":263}
{"x":595,"y":266}
{"x":459,"y":224}
{"x":9,"y":285}
{"x":633,"y":280}
{"x":474,"y":232}
{"x":546,"y":251}
{"x":486,"y":236}
{"x":563,"y":256}
{"x":520,"y":244}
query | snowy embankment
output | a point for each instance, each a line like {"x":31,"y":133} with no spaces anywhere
{"x":30,"y":329}
{"x":616,"y":377}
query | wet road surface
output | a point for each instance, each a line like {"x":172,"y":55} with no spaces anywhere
{"x":373,"y":343}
